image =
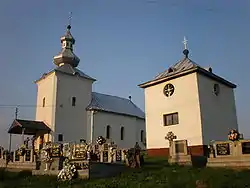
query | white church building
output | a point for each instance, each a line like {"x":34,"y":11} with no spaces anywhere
{"x":193,"y":102}
{"x":69,"y":111}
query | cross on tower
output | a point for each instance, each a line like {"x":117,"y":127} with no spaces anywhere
{"x":70,"y":17}
{"x":185,"y":43}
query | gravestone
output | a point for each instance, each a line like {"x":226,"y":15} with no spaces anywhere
{"x":245,"y":147}
{"x":66,"y":150}
{"x":105,"y":157}
{"x":105,"y":147}
{"x":28,"y":155}
{"x":180,"y":147}
{"x":56,"y":150}
{"x":118,"y":155}
{"x":179,"y":153}
{"x":80,"y":151}
{"x":223,"y":149}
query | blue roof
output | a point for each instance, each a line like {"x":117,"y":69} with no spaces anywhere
{"x":114,"y":104}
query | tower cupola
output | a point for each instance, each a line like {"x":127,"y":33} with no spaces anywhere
{"x":67,"y":56}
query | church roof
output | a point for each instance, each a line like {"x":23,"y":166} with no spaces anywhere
{"x":69,"y":70}
{"x":114,"y":104}
{"x":184,"y":67}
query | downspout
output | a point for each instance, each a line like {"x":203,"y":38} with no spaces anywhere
{"x":54,"y":106}
{"x":92,"y":125}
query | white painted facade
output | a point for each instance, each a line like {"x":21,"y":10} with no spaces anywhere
{"x":202,"y":115}
{"x":132,"y":127}
{"x":55,"y":93}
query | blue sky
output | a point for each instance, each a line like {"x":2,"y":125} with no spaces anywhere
{"x":121,"y":43}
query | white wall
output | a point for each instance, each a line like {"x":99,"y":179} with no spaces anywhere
{"x":132,"y":127}
{"x":46,"y":88}
{"x":185,"y":101}
{"x":218,"y":113}
{"x":71,"y":121}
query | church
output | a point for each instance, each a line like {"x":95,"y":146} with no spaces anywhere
{"x":69,"y":111}
{"x":192,"y":102}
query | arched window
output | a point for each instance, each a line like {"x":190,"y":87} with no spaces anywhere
{"x":108,"y":130}
{"x":142,"y":135}
{"x":122,"y":133}
{"x":43,"y":101}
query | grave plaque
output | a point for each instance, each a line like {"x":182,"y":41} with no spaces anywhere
{"x":80,"y":151}
{"x":105,"y":156}
{"x":179,"y":147}
{"x":96,"y":147}
{"x":245,"y":147}
{"x":56,"y":150}
{"x":223,"y":149}
{"x":106,"y":147}
{"x":28,"y":155}
{"x":118,"y":155}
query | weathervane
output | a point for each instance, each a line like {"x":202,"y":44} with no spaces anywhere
{"x":185,"y":43}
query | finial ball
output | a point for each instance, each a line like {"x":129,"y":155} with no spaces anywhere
{"x":68,"y":27}
{"x":186,"y":52}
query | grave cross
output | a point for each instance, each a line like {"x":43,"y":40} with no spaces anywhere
{"x":170,"y":136}
{"x":70,"y":18}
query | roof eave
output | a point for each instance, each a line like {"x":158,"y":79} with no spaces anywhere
{"x":89,"y":78}
{"x":217,"y":78}
{"x":102,"y":110}
{"x":160,"y":80}
{"x":196,"y":69}
{"x":44,"y":76}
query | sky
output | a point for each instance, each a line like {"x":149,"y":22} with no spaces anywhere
{"x":121,"y":43}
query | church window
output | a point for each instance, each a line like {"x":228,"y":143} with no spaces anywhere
{"x":142,"y":135}
{"x":43,"y":101}
{"x":108,"y":130}
{"x":168,"y":90}
{"x":73,"y":102}
{"x":171,"y":119}
{"x":60,"y":137}
{"x":122,"y":133}
{"x":216,"y":89}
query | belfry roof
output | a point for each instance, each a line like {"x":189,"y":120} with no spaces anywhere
{"x":184,"y":67}
{"x":69,"y":70}
{"x":114,"y":104}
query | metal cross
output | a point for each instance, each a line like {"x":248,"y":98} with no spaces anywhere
{"x":185,"y":43}
{"x":70,"y":17}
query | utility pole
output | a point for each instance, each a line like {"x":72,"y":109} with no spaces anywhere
{"x":16,"y":113}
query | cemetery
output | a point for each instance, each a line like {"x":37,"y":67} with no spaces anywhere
{"x":59,"y":159}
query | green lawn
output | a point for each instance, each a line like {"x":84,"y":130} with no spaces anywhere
{"x":156,"y":173}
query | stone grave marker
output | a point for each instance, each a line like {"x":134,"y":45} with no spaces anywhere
{"x":56,"y":150}
{"x":180,"y":147}
{"x":245,"y":147}
{"x":118,"y":155}
{"x":223,"y":149}
{"x":105,"y":157}
{"x":27,"y":155}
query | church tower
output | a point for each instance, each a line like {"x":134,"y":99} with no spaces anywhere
{"x":63,"y":95}
{"x":192,"y":102}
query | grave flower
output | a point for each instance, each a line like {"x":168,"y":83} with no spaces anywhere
{"x":100,"y":140}
{"x":68,"y":172}
{"x":233,"y":135}
{"x":21,"y":150}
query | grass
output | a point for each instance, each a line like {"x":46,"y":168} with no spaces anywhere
{"x":156,"y":173}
